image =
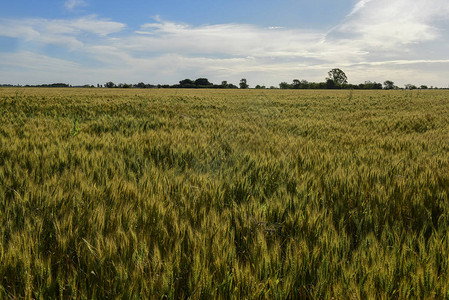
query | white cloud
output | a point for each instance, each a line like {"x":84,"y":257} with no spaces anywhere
{"x":222,"y":39}
{"x":359,"y":5}
{"x":65,"y":33}
{"x":72,"y":4}
{"x":30,"y":60}
{"x":389,"y":23}
{"x":97,"y":26}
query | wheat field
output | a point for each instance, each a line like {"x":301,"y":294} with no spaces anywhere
{"x":223,"y":194}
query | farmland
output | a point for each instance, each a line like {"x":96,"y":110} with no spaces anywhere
{"x":111,"y":193}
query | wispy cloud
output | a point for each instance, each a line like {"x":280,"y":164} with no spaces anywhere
{"x":389,"y":23}
{"x":359,"y":5}
{"x":226,"y":40}
{"x":30,"y":60}
{"x":72,"y":4}
{"x":66,"y":33}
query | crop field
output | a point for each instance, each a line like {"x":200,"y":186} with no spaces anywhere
{"x":218,"y":194}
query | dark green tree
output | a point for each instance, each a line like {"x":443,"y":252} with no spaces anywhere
{"x":187,"y":83}
{"x":110,"y":84}
{"x":202,"y":82}
{"x":389,"y":85}
{"x":330,"y":84}
{"x":285,"y":85}
{"x":296,"y":83}
{"x":243,"y":84}
{"x":338,"y":77}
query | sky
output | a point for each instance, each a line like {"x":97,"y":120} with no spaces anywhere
{"x":266,"y":42}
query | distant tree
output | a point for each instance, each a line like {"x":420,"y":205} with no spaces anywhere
{"x":125,"y":85}
{"x":285,"y":85}
{"x":304,"y":84}
{"x":260,"y":86}
{"x":296,"y":84}
{"x":409,"y":86}
{"x":186,"y":83}
{"x":110,"y":84}
{"x":389,"y":85}
{"x":140,"y":85}
{"x":330,"y":84}
{"x":423,"y":87}
{"x":243,"y":84}
{"x":337,"y":76}
{"x":368,"y":85}
{"x":202,"y":82}
{"x":224,"y":84}
{"x":59,"y":84}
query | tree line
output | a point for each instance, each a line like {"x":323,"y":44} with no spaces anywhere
{"x":184,"y":84}
{"x":336,"y":79}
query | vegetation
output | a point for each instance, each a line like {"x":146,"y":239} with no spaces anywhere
{"x":248,"y":194}
{"x":389,"y":85}
{"x":243,"y":84}
{"x":338,"y":77}
{"x":337,"y":80}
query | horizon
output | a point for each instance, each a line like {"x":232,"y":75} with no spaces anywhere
{"x":367,"y":85}
{"x":84,"y":42}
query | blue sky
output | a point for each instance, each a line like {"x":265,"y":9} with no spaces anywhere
{"x":266,"y":42}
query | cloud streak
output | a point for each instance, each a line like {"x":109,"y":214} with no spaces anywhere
{"x":390,"y":23}
{"x":72,"y":4}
